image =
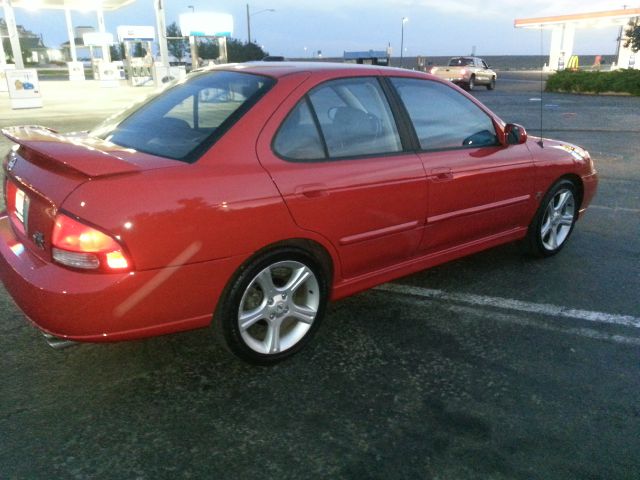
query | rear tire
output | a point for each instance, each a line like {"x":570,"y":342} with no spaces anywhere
{"x":472,"y":83}
{"x":273,"y":306}
{"x":553,"y":223}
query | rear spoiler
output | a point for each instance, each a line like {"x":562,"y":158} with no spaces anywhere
{"x":79,"y":153}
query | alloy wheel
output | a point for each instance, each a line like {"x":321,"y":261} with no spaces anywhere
{"x":278,"y":307}
{"x":558,"y":219}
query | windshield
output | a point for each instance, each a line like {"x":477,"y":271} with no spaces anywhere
{"x":460,"y":62}
{"x":186,"y":119}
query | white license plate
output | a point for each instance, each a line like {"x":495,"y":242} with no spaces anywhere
{"x":20,"y":204}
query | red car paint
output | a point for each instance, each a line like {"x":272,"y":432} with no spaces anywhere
{"x":188,"y":227}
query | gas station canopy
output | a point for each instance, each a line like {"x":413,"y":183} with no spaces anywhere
{"x":563,"y":29}
{"x":98,"y":6}
{"x":82,"y":5}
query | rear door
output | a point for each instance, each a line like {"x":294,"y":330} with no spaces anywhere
{"x":337,"y":157}
{"x":478,"y":187}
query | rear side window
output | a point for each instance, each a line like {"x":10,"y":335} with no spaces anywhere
{"x":442,"y":117}
{"x":355,"y":118}
{"x":298,"y":138}
{"x":460,"y":62}
{"x":344,"y":118}
{"x":181,"y":122}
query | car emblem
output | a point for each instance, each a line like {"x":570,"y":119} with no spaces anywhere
{"x":13,"y":159}
{"x":38,"y":239}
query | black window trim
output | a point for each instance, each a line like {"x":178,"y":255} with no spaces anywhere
{"x":316,"y":123}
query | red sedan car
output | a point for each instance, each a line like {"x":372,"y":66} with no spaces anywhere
{"x":247,"y":196}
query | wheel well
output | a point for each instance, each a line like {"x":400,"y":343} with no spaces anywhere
{"x":577,"y":181}
{"x":316,"y":250}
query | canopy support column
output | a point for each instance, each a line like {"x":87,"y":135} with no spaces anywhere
{"x":555,"y":48}
{"x":106,"y":54}
{"x":72,"y":37}
{"x":161,"y":24}
{"x":12,"y":29}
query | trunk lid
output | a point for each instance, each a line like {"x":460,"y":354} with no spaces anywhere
{"x":45,"y":167}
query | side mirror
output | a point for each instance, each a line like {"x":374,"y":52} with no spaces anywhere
{"x":515,"y":134}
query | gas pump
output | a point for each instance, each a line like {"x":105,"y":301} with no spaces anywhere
{"x":138,"y":53}
{"x":106,"y":72}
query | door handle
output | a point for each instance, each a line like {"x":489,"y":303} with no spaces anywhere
{"x":312,"y":190}
{"x":441,"y":174}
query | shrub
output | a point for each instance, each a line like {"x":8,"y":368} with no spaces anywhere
{"x":619,"y":81}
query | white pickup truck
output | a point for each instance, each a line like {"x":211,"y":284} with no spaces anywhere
{"x":468,"y":72}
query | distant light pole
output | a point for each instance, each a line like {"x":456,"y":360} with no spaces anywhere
{"x":193,"y":9}
{"x":249,"y":15}
{"x":404,"y":20}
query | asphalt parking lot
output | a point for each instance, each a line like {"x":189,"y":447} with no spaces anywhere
{"x":494,"y":366}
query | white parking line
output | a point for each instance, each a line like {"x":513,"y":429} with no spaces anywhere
{"x":615,"y":209}
{"x":511,"y":304}
{"x":532,"y":322}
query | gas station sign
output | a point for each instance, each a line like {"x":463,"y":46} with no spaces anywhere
{"x":24,"y":88}
{"x":136,"y":33}
{"x":206,"y":24}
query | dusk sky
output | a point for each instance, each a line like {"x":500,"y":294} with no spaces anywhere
{"x":435,"y":27}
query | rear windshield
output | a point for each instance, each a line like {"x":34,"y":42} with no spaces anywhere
{"x":186,"y":119}
{"x":460,"y":62}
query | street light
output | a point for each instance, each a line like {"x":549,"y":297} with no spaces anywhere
{"x":249,"y":15}
{"x":404,"y":20}
{"x":193,"y":9}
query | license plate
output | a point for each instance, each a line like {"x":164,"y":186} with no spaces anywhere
{"x":21,"y":201}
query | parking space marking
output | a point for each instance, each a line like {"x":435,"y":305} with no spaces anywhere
{"x":532,"y":322}
{"x":615,"y":209}
{"x":511,"y":304}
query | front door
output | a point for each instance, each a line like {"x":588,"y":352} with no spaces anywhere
{"x":477,"y":186}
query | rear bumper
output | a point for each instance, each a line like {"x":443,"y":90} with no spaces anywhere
{"x":454,"y":78}
{"x":96,"y":307}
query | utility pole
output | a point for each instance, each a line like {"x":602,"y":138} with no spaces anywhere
{"x":248,"y":25}
{"x":404,"y":20}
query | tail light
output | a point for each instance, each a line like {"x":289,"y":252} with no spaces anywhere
{"x":463,"y":71}
{"x":433,"y":70}
{"x":77,"y":245}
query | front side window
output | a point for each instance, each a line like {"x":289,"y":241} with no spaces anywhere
{"x":442,"y":117}
{"x":181,"y":121}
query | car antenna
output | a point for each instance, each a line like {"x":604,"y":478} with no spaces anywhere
{"x":541,"y":142}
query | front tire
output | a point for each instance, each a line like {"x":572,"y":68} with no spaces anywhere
{"x":492,"y":84}
{"x":273,"y":307}
{"x":554,"y":220}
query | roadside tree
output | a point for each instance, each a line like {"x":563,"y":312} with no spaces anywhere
{"x":177,"y":45}
{"x":633,"y":35}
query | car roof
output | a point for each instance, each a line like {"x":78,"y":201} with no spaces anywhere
{"x":280,"y":69}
